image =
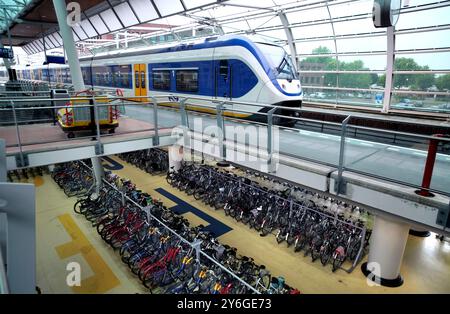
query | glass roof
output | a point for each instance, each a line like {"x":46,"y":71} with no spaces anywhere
{"x":9,"y":11}
{"x":333,"y":43}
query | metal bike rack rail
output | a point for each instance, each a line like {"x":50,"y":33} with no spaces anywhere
{"x":363,"y":230}
{"x":195,"y":245}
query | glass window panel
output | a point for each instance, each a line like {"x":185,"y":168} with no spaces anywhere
{"x":98,"y":24}
{"x":356,"y":80}
{"x":418,"y":61}
{"x":370,"y":62}
{"x":187,"y":80}
{"x":88,"y":28}
{"x":267,"y":21}
{"x":317,"y":94}
{"x":80,"y":33}
{"x":274,"y":34}
{"x":224,"y":11}
{"x":58,"y":37}
{"x":355,"y":27}
{"x":360,"y":98}
{"x":53,"y":39}
{"x":236,"y":26}
{"x":75,"y":36}
{"x":308,"y":15}
{"x":39,"y":44}
{"x":318,"y":63}
{"x":48,"y":43}
{"x":320,"y":30}
{"x":418,"y":82}
{"x":111,"y":20}
{"x":351,"y":8}
{"x":168,"y":7}
{"x":144,"y":9}
{"x":196,"y":3}
{"x":161,"y":79}
{"x":377,"y":43}
{"x":424,"y":18}
{"x":313,"y":46}
{"x":428,"y":103}
{"x":434,"y":39}
{"x":126,"y":14}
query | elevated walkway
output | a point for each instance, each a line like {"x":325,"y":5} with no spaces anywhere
{"x":379,"y":176}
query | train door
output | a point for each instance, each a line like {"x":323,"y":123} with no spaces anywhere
{"x":140,"y":81}
{"x":223,"y":79}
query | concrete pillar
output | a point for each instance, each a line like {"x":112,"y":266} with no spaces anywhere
{"x":175,"y":157}
{"x":419,"y":232}
{"x":99,"y":172}
{"x":75,"y":71}
{"x":387,"y":245}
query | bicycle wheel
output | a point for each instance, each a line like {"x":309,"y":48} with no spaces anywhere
{"x":77,"y":206}
{"x":315,"y":254}
{"x":198,"y":193}
{"x":325,"y":255}
{"x":337,"y":262}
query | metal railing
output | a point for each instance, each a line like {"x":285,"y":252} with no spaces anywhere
{"x":3,"y":278}
{"x":196,"y":245}
{"x":220,"y":107}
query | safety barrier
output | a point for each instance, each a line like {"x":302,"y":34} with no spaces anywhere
{"x":341,"y":161}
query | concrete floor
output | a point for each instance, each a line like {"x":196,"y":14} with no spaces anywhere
{"x":63,"y":237}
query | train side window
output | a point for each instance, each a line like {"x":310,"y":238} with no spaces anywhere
{"x":187,"y":80}
{"x":125,"y":72}
{"x":161,"y":79}
{"x":136,"y":79}
{"x":143,"y":83}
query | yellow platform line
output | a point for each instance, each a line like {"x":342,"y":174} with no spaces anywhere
{"x":103,"y":279}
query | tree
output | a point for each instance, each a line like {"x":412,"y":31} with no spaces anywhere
{"x":356,"y":80}
{"x":443,"y":82}
{"x":415,"y":81}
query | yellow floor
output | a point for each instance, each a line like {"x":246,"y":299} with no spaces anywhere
{"x":63,"y":236}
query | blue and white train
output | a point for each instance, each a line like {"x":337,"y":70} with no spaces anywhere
{"x":218,"y":68}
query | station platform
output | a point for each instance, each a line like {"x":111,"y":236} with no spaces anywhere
{"x":47,"y":136}
{"x":63,"y":236}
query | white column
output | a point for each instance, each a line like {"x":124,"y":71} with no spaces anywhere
{"x":69,"y":45}
{"x":290,"y":38}
{"x":75,"y":70}
{"x":175,"y":157}
{"x":390,"y":53}
{"x":99,"y":172}
{"x":387,"y":245}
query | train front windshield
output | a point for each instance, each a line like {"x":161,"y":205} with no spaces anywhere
{"x":279,"y":60}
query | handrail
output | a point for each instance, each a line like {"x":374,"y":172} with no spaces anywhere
{"x":3,"y":279}
{"x":130,"y":103}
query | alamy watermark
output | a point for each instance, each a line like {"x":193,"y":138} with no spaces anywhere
{"x":73,"y":278}
{"x":253,"y":145}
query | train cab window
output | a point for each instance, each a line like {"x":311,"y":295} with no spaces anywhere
{"x":223,"y":68}
{"x":187,"y":80}
{"x":161,"y":79}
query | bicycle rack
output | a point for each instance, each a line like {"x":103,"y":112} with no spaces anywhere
{"x":302,"y":207}
{"x":193,"y":245}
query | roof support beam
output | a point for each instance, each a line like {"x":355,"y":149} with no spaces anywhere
{"x":290,"y":38}
{"x":38,"y":23}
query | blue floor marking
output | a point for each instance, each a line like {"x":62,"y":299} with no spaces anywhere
{"x":215,"y":226}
